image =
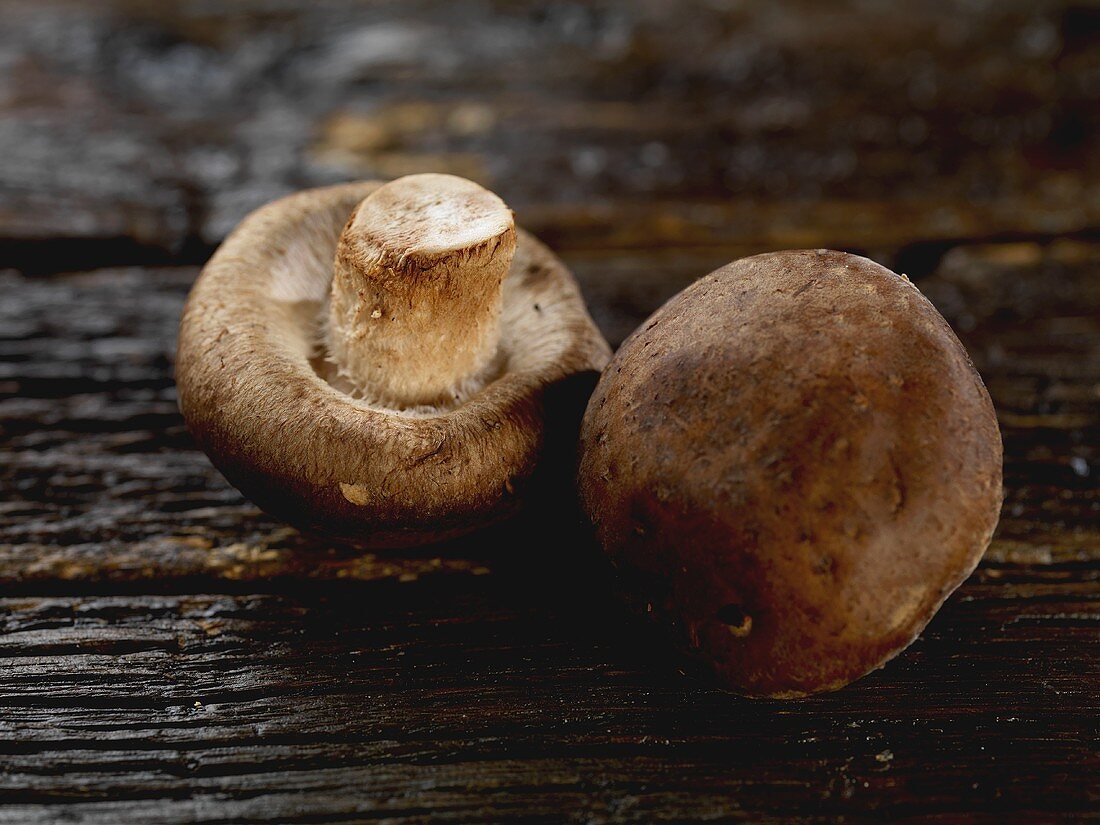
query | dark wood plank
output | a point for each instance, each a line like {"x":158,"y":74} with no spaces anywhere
{"x":624,"y":124}
{"x":493,"y":679}
{"x":508,"y":702}
{"x":104,"y":483}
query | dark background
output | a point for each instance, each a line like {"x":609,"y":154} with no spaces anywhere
{"x":172,"y":655}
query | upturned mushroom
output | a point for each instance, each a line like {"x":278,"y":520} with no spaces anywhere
{"x":792,"y":464}
{"x":386,"y":363}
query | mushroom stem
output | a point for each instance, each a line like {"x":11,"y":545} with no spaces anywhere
{"x":414,"y":315}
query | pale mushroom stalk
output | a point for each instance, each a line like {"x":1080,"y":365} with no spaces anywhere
{"x":415,"y":305}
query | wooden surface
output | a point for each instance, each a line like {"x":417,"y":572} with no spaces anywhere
{"x":172,"y":655}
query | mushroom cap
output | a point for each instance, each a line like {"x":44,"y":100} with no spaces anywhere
{"x":792,"y":464}
{"x":249,"y":372}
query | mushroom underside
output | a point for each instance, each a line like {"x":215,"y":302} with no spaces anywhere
{"x":537,"y":302}
{"x":265,"y":402}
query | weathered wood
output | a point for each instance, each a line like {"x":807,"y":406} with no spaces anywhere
{"x":626,"y":124}
{"x":508,"y":702}
{"x":492,"y":679}
{"x":104,"y":483}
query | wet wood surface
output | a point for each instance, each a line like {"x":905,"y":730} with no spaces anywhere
{"x":171,"y":655}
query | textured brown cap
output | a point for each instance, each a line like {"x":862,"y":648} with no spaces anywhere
{"x":792,"y":463}
{"x":297,"y":428}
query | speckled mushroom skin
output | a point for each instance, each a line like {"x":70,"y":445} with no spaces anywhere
{"x":792,"y":464}
{"x":249,"y":374}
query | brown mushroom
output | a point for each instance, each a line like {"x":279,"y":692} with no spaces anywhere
{"x":792,"y":464}
{"x":403,"y":394}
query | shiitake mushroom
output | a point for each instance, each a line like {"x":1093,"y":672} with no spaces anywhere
{"x":386,"y":364}
{"x":792,"y":464}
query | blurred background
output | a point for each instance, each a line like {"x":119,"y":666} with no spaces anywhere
{"x":646,"y":141}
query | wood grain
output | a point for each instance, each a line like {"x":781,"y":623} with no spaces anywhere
{"x":105,"y":484}
{"x":502,"y":702}
{"x":619,"y":124}
{"x":493,"y":679}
